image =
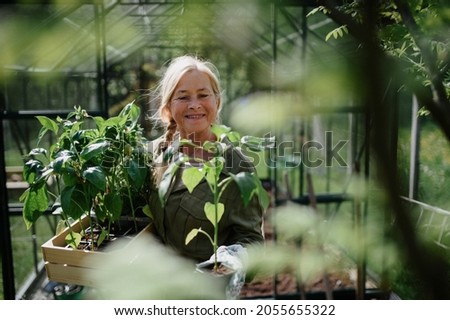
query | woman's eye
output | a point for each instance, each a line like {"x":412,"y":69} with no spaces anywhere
{"x":182,"y":98}
{"x":203,"y":96}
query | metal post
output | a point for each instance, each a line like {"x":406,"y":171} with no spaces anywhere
{"x":9,"y":290}
{"x":102,"y":92}
{"x":273,"y":84}
{"x":274,"y":9}
{"x":414,"y":154}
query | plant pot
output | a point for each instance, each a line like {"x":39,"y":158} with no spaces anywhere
{"x":67,"y":265}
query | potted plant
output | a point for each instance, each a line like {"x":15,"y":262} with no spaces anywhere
{"x":210,"y":170}
{"x":94,"y":176}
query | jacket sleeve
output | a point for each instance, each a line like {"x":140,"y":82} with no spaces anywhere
{"x":246,"y":223}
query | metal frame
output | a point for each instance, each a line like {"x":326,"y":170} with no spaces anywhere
{"x":100,"y":12}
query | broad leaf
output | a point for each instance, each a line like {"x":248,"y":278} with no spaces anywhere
{"x":146,"y":210}
{"x":73,"y":239}
{"x":47,"y":125}
{"x":191,"y":235}
{"x":60,"y":226}
{"x":35,"y":204}
{"x":60,"y":161}
{"x":258,"y":143}
{"x":70,"y":178}
{"x":101,"y":212}
{"x":132,"y":112}
{"x":114,"y":204}
{"x":96,"y":176}
{"x":263,"y":197}
{"x":137,"y":172}
{"x":74,"y":202}
{"x":220,"y":130}
{"x":210,"y":212}
{"x":234,"y":137}
{"x":102,"y":237}
{"x":94,"y":150}
{"x":32,"y":169}
{"x":213,"y":169}
{"x":167,"y":178}
{"x":215,"y":148}
{"x":38,"y":151}
{"x":246,"y":184}
{"x":191,"y":177}
{"x":210,"y":173}
{"x":100,"y":123}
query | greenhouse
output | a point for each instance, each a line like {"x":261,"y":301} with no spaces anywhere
{"x":340,"y":111}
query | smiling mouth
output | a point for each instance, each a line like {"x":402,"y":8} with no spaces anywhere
{"x":194,"y":116}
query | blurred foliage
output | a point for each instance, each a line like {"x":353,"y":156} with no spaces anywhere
{"x":148,"y":270}
{"x":264,"y":93}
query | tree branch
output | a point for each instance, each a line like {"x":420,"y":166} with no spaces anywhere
{"x":437,"y":102}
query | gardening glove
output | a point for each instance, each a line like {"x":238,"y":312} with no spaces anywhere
{"x":232,"y":257}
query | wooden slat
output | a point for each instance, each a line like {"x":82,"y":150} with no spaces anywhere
{"x":68,"y":274}
{"x":67,"y":265}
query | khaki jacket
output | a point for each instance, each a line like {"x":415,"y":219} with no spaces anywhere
{"x":184,"y":211}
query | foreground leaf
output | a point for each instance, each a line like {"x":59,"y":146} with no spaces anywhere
{"x":210,"y":212}
{"x":191,"y":178}
{"x":191,"y":235}
{"x":35,"y":204}
{"x":73,"y":239}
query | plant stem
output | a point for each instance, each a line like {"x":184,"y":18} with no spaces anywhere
{"x":216,"y":215}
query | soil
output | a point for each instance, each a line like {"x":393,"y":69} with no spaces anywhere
{"x":90,"y":238}
{"x":286,"y":284}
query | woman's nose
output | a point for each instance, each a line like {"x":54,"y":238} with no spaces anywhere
{"x":193,"y":103}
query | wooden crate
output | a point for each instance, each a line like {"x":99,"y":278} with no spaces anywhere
{"x":68,"y":265}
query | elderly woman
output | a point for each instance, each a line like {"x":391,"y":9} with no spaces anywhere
{"x":190,"y":101}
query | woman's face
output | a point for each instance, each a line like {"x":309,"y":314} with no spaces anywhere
{"x":194,"y":106}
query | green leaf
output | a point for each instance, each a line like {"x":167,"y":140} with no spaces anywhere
{"x":210,"y":174}
{"x":101,"y":212}
{"x":258,"y":143}
{"x":102,"y":237}
{"x":60,"y":161}
{"x":210,"y":212}
{"x":32,"y":169}
{"x":146,"y":210}
{"x":73,"y":239}
{"x":336,"y":33}
{"x":213,"y":169}
{"x":317,"y":9}
{"x":114,"y":204}
{"x":213,"y":147}
{"x":263,"y":196}
{"x":60,"y":226}
{"x":47,"y":125}
{"x":70,"y":178}
{"x":137,"y":172}
{"x":37,"y":152}
{"x":246,"y":184}
{"x":233,"y":136}
{"x":132,"y":112}
{"x":94,"y":150}
{"x":166,"y":180}
{"x":191,"y":235}
{"x":74,"y":202}
{"x":96,"y":176}
{"x":220,"y":130}
{"x":99,"y":123}
{"x":35,"y":204}
{"x":191,"y":177}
